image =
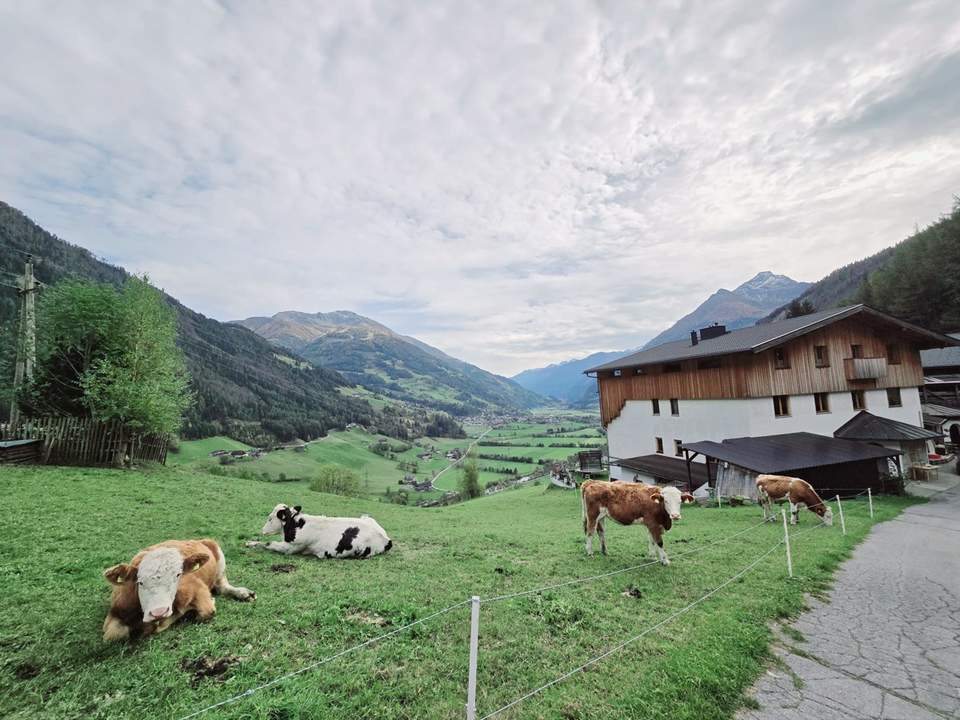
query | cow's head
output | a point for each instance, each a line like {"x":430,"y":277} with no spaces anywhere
{"x":157,"y":578}
{"x":278,"y":517}
{"x":672,"y":500}
{"x":824,"y":511}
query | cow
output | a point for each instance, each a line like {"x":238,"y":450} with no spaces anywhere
{"x":165,"y":582}
{"x":799,"y":493}
{"x":325,"y":537}
{"x":626,"y":503}
{"x":673,"y":498}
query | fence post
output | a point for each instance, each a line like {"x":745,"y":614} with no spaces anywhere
{"x":474,"y":648}
{"x":870,"y":501}
{"x":843,"y":525}
{"x":786,"y":540}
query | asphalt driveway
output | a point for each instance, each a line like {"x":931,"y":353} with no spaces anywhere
{"x":887,"y":645}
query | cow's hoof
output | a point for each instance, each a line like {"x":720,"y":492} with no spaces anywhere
{"x":244,"y":595}
{"x":665,"y":562}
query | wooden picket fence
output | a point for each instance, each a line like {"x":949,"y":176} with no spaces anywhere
{"x":84,"y":441}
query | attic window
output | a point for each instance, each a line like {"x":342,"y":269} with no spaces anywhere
{"x":617,"y":373}
{"x":781,"y":360}
{"x":672,"y":368}
{"x":708,"y":364}
{"x":820,"y":356}
{"x":893,"y":354}
{"x":856,"y":351}
{"x":640,"y":371}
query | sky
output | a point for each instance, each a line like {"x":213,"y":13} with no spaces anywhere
{"x":514,"y":183}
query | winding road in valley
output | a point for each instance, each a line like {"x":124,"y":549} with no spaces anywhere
{"x":479,"y":437}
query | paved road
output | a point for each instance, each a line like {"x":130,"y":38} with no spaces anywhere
{"x":887,"y":645}
{"x":462,"y":458}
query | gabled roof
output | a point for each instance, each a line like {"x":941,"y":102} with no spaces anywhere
{"x":867,"y":426}
{"x":668,"y":469}
{"x":941,"y":411}
{"x":941,"y":357}
{"x":762,"y":337}
{"x":789,"y":452}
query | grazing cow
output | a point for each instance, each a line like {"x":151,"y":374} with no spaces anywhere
{"x":799,"y":493}
{"x":165,"y":582}
{"x":326,"y":537}
{"x":626,"y":503}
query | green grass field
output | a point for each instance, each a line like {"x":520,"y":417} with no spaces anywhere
{"x":67,"y":525}
{"x":193,"y":450}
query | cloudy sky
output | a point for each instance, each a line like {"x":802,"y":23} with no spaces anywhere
{"x":516,"y":183}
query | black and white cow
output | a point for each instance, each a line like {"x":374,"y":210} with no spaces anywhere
{"x":325,"y":537}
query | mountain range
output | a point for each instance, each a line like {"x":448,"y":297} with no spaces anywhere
{"x":372,"y":355}
{"x":737,"y":308}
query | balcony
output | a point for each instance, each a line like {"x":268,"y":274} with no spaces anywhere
{"x":868,"y":368}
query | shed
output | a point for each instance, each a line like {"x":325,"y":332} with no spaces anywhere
{"x":944,"y":419}
{"x":831,"y":465}
{"x":911,"y":440}
{"x":20,"y":451}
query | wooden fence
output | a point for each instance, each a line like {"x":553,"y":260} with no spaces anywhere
{"x":84,"y":441}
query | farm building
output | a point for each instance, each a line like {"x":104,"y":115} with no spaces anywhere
{"x":943,"y":420}
{"x":810,"y":374}
{"x":20,"y":451}
{"x":914,"y":443}
{"x":831,"y":465}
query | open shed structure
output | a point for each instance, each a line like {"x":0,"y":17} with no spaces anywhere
{"x":914,"y":443}
{"x":831,"y":465}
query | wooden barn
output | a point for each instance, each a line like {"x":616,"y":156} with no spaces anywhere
{"x":20,"y":451}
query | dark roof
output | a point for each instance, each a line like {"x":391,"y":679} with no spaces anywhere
{"x":761,"y":337}
{"x":941,"y":357}
{"x":941,"y":411}
{"x":792,"y":451}
{"x":867,"y":426}
{"x":667,"y":469}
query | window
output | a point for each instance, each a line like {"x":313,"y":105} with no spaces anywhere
{"x":781,"y":360}
{"x":678,"y":448}
{"x":893,"y":354}
{"x":856,"y":351}
{"x":859,"y":400}
{"x":640,"y":371}
{"x":708,"y":364}
{"x":617,"y":373}
{"x":656,"y":406}
{"x":781,"y":405}
{"x":822,"y":401}
{"x":820,"y":356}
{"x":674,"y":406}
{"x":659,"y":442}
{"x":893,"y":397}
{"x":672,"y":368}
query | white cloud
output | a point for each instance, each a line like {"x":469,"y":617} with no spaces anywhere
{"x":514,"y":183}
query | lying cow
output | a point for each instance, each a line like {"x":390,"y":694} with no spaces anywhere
{"x":165,"y":582}
{"x":326,"y":537}
{"x":799,"y":493}
{"x":626,"y":503}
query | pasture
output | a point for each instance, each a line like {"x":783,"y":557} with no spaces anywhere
{"x":66,"y":525}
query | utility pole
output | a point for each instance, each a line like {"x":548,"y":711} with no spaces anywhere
{"x":26,"y":337}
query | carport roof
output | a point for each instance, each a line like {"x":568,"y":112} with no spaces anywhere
{"x":791,"y":451}
{"x":665,"y":468}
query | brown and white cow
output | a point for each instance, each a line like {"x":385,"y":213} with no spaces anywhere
{"x":626,"y":503}
{"x":799,"y":493}
{"x":163,"y":583}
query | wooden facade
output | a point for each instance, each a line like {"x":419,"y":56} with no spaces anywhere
{"x":752,"y":375}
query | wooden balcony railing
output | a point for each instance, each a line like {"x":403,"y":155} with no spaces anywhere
{"x":868,"y":368}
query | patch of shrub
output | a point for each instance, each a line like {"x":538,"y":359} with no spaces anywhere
{"x":336,"y":480}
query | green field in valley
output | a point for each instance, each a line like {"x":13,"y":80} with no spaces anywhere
{"x":192,"y":450}
{"x":55,"y":665}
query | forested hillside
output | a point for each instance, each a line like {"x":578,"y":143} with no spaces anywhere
{"x":245,"y":387}
{"x":917,"y":280}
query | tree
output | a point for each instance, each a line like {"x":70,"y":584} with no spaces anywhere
{"x":469,"y":484}
{"x":798,"y":308}
{"x":111,"y":354}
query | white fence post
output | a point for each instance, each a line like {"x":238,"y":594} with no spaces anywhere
{"x":843,"y":525}
{"x":474,"y":648}
{"x":870,"y":501}
{"x":786,"y":540}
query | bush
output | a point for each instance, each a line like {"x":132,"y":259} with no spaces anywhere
{"x":336,"y":480}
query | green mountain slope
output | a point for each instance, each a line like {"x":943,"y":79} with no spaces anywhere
{"x":246,"y":387}
{"x":394,"y":365}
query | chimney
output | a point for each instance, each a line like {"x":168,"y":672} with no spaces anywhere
{"x":693,"y":337}
{"x":713,"y":331}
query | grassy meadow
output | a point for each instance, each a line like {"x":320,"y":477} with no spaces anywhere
{"x":67,"y":525}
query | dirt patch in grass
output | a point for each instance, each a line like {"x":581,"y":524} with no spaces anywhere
{"x":205,"y":667}
{"x":283,"y":568}
{"x":26,"y":671}
{"x":632,"y":592}
{"x":367,"y":618}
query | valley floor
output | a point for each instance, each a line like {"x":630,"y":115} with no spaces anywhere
{"x":66,"y":525}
